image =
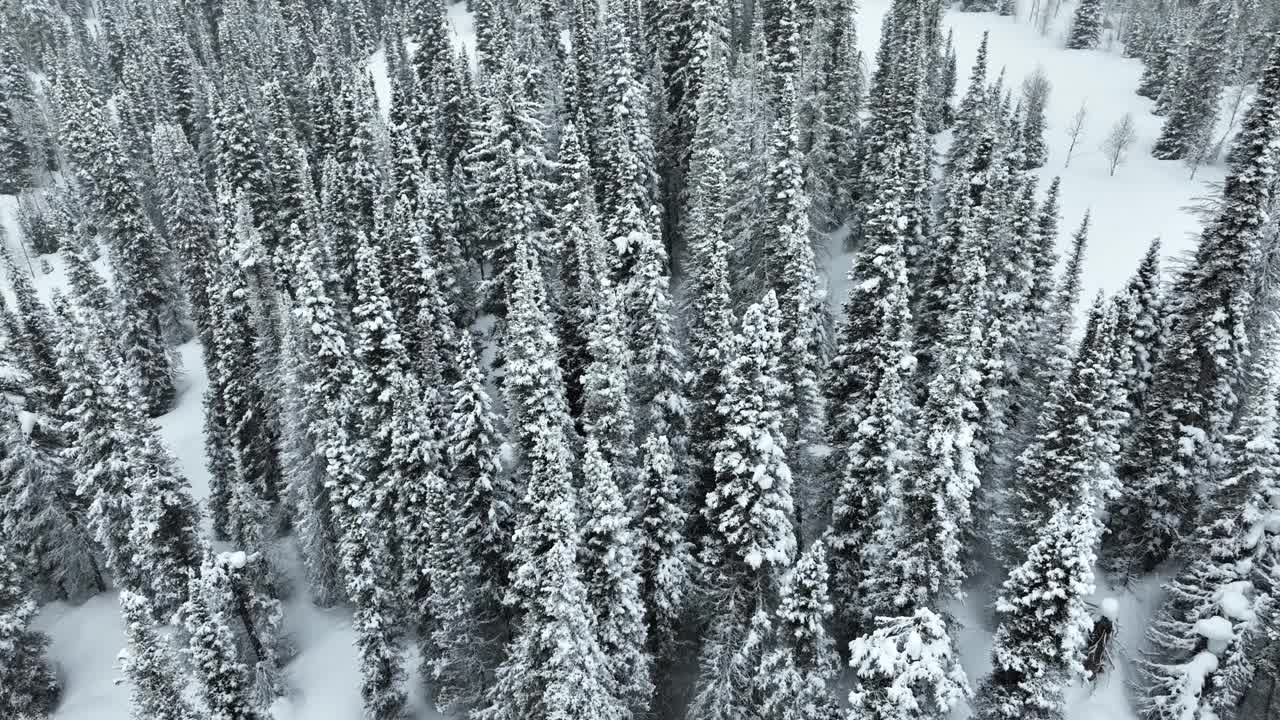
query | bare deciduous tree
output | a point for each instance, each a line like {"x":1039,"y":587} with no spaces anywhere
{"x":1119,"y":140}
{"x":1076,"y":129}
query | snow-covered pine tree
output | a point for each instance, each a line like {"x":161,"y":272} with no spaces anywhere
{"x":626,"y":177}
{"x":37,"y":337}
{"x":791,"y":274}
{"x":304,"y":468}
{"x":41,"y":513}
{"x":238,"y":149}
{"x":87,"y":286}
{"x":28,"y":687}
{"x":190,"y":219}
{"x":695,"y":48}
{"x":1044,"y":619}
{"x":353,"y":502}
{"x":1035,"y":97}
{"x":793,"y":681}
{"x":830,"y":165}
{"x":532,"y":381}
{"x":554,"y":666}
{"x":925,"y":558}
{"x":1195,"y":394}
{"x":1162,"y":58}
{"x":1074,"y":450}
{"x":378,"y":362}
{"x":15,"y":154}
{"x":1193,"y":101}
{"x":94,"y":396}
{"x":157,"y":692}
{"x":508,"y":181}
{"x":969,"y":194}
{"x":469,"y":607}
{"x":878,"y":451}
{"x":610,"y":574}
{"x":1204,"y":648}
{"x":1086,"y":25}
{"x":709,"y":309}
{"x":1141,"y":335}
{"x":224,"y":681}
{"x":895,"y":153}
{"x":140,"y":510}
{"x":606,"y":387}
{"x":164,"y":532}
{"x":582,"y":261}
{"x":750,"y":517}
{"x":145,"y":281}
{"x":855,"y":368}
{"x":908,"y":667}
{"x":665,"y":557}
{"x":657,"y":363}
{"x":240,"y":381}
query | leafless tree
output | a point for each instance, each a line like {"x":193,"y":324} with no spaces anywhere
{"x":1121,"y":138}
{"x":1076,"y":130}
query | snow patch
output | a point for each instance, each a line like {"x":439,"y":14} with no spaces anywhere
{"x":1110,"y":609}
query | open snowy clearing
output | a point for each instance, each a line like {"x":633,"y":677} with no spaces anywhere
{"x":1146,"y":198}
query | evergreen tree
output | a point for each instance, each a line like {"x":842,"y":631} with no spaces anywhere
{"x":29,"y":687}
{"x":15,"y":152}
{"x":508,"y":182}
{"x":657,"y":369}
{"x":1193,"y":101}
{"x":626,"y":182}
{"x":1086,"y":25}
{"x":534,"y":388}
{"x":924,"y":541}
{"x":164,"y":536}
{"x":610,"y":574}
{"x":144,"y":280}
{"x":793,"y":680}
{"x":1161,"y":61}
{"x":470,"y":606}
{"x":791,"y":275}
{"x":874,"y":463}
{"x":831,"y":171}
{"x":751,"y":518}
{"x":709,"y":309}
{"x":1140,"y":335}
{"x":1194,"y":397}
{"x":157,"y":688}
{"x":691,"y":70}
{"x":1045,"y":621}
{"x":37,"y":338}
{"x":749,"y":513}
{"x":606,"y":402}
{"x":304,"y":472}
{"x":664,"y":555}
{"x":189,"y":215}
{"x":907,"y":668}
{"x":1204,"y":647}
{"x":582,"y":262}
{"x":1035,"y":96}
{"x":353,"y":501}
{"x":243,"y":368}
{"x":42,"y":514}
{"x":1075,"y":447}
{"x":211,"y":648}
{"x":555,"y":666}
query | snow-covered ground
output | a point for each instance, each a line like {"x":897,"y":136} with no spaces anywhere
{"x":1145,"y":199}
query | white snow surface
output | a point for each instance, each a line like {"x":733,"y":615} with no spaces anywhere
{"x":1146,"y":198}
